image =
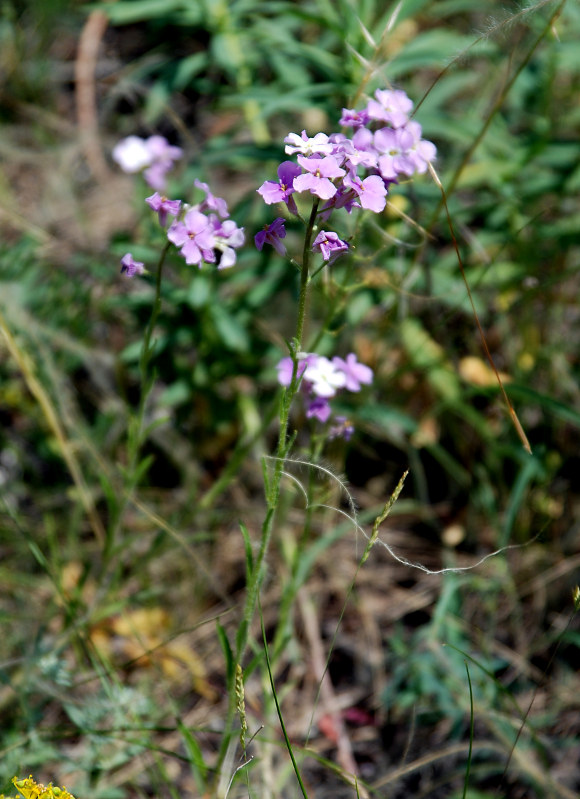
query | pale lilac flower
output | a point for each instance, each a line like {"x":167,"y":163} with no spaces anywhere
{"x":392,"y":106}
{"x":354,"y":372}
{"x":272,"y":234}
{"x":329,"y":244}
{"x":317,"y":145}
{"x":318,"y":408}
{"x":130,"y":267}
{"x":132,"y":154}
{"x":194,"y":237}
{"x":371,"y":191}
{"x":324,"y":378}
{"x":155,"y":155}
{"x":362,"y":139}
{"x":352,"y":157}
{"x":163,"y":155}
{"x":342,"y":427}
{"x":211,"y":203}
{"x":162,"y":151}
{"x":228,"y":237}
{"x":285,"y":367}
{"x":156,"y":176}
{"x":163,"y":206}
{"x":317,"y":179}
{"x":395,"y":148}
{"x":420,"y":151}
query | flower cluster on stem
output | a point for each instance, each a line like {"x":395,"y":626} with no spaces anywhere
{"x":348,"y":172}
{"x":320,"y":380}
{"x":153,"y":156}
{"x":203,"y":233}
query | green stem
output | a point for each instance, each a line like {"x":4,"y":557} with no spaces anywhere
{"x":256,"y":577}
{"x":135,"y":432}
{"x":146,"y":354}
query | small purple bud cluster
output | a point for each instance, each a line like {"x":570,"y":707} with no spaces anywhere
{"x":321,"y":379}
{"x":203,"y":233}
{"x":328,"y":167}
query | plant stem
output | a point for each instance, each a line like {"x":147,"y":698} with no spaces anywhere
{"x":135,"y":432}
{"x":144,"y":360}
{"x":273,"y":494}
{"x":257,"y":574}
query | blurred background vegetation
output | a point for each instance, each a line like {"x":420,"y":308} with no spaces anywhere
{"x":497,"y":87}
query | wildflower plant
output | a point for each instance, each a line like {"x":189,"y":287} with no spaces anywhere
{"x":328,"y":179}
{"x":331,"y":243}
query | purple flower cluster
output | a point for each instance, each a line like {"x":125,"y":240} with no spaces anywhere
{"x":386,"y":145}
{"x":321,"y":379}
{"x":153,"y":155}
{"x":203,"y":233}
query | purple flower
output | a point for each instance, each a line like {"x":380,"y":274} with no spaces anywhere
{"x":154,"y":154}
{"x":317,"y":178}
{"x":318,"y":408}
{"x":322,"y":379}
{"x":285,"y":367}
{"x":390,"y":106}
{"x":354,"y":372}
{"x":362,"y":139}
{"x":420,"y":151}
{"x":162,"y":151}
{"x":280,"y":191}
{"x":354,"y":119}
{"x":354,"y":157}
{"x":155,"y":176}
{"x":371,"y":191}
{"x":342,"y":427}
{"x":272,"y":234}
{"x":328,"y":243}
{"x":211,"y":203}
{"x":163,"y":155}
{"x":318,"y":144}
{"x":130,"y":267}
{"x":227,"y":238}
{"x":194,"y":237}
{"x":396,"y":158}
{"x":163,"y":206}
{"x":344,"y":198}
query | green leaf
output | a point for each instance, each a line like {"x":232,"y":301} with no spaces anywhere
{"x":197,"y":762}
{"x":231,"y":332}
{"x":188,"y":68}
{"x":248,"y":550}
{"x":127,"y":13}
{"x":429,"y":357}
{"x":228,"y":654}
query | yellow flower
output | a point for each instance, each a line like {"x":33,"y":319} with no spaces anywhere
{"x":35,"y":790}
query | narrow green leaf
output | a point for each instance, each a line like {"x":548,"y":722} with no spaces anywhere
{"x":197,"y":762}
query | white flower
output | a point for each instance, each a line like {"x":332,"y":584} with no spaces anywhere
{"x":324,"y":377}
{"x":318,"y":144}
{"x":132,"y":154}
